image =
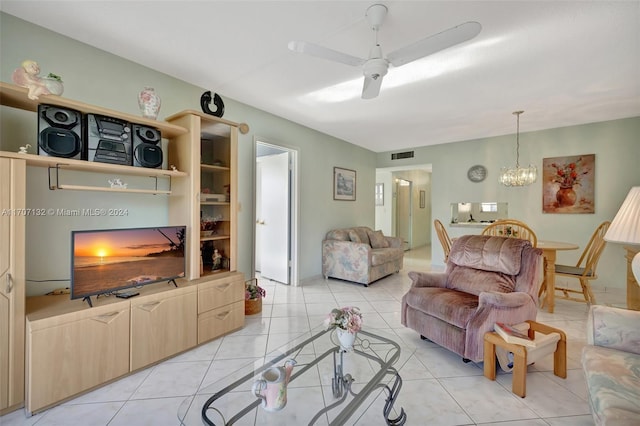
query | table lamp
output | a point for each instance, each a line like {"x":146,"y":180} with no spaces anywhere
{"x":625,"y":227}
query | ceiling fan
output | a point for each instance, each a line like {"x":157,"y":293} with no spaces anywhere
{"x":376,"y":66}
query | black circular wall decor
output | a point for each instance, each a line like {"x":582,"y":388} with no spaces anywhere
{"x":205,"y":101}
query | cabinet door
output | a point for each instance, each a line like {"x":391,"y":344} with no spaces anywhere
{"x":162,"y":326}
{"x":68,"y":358}
{"x":4,"y":352}
{"x":5,"y":216}
{"x":12,"y":282}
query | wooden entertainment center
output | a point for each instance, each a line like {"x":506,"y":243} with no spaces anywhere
{"x":53,"y":348}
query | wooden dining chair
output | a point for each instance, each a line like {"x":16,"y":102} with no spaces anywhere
{"x":585,"y":270}
{"x":444,"y":238}
{"x":511,"y":228}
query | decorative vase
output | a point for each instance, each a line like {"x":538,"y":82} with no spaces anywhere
{"x":149,"y":103}
{"x":54,"y":86}
{"x":252,"y":306}
{"x":346,"y":339}
{"x":566,"y":197}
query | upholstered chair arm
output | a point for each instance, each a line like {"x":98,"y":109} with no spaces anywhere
{"x":614,"y":328}
{"x":509,"y":308}
{"x":395,"y":242}
{"x":503,"y":300}
{"x":428,"y":279}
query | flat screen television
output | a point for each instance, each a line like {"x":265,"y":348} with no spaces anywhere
{"x":107,"y":261}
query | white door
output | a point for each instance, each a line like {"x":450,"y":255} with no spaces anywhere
{"x":272,"y":228}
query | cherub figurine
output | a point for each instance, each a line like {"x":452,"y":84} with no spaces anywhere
{"x":28,"y":77}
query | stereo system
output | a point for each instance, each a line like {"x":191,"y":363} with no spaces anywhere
{"x":64,"y":132}
{"x":108,"y":140}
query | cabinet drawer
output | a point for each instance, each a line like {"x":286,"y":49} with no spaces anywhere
{"x":220,"y":321}
{"x":162,"y":327}
{"x":217,"y":293}
{"x":66,"y":359}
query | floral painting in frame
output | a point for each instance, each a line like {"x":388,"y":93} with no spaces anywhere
{"x":568,"y":184}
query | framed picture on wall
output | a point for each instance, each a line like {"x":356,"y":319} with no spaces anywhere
{"x":344,"y":184}
{"x":568,"y":184}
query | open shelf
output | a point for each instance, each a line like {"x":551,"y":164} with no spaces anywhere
{"x":215,"y":238}
{"x":105,"y":189}
{"x":90,"y":166}
{"x":210,"y":168}
{"x":16,"y":97}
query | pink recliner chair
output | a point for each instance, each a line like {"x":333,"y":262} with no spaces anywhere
{"x":487,"y":280}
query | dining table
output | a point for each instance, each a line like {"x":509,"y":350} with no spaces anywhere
{"x":549,"y":251}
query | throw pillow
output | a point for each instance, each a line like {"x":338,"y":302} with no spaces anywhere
{"x":354,"y":237}
{"x":377,"y":239}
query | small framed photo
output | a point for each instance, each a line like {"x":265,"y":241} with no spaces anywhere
{"x":344,"y":184}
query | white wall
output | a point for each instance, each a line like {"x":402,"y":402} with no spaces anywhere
{"x":96,"y":77}
{"x":617,"y":149}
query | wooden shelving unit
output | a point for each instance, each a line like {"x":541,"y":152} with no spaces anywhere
{"x":114,"y":334}
{"x":208,"y":154}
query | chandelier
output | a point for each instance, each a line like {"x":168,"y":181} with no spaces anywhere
{"x":518,"y":176}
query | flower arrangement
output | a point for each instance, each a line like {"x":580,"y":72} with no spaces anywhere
{"x":254,"y":292}
{"x":567,"y":175}
{"x":347,"y":318}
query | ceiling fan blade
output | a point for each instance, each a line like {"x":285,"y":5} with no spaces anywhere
{"x":434,"y":43}
{"x":371,"y":87}
{"x":324,"y":53}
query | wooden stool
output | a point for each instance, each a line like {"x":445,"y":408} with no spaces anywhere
{"x":519,"y":384}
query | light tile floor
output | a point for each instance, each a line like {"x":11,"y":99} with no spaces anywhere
{"x":438,"y":388}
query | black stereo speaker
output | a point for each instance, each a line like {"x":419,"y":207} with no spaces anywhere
{"x":108,"y":140}
{"x":147,"y":146}
{"x":60,"y":132}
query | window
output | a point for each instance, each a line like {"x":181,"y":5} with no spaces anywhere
{"x":488,"y":207}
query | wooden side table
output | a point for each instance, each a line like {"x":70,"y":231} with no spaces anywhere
{"x":519,"y":383}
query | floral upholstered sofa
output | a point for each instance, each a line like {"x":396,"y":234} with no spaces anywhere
{"x":360,"y":255}
{"x":611,"y":363}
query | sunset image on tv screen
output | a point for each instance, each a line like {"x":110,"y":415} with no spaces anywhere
{"x":108,"y":260}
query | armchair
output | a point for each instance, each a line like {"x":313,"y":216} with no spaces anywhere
{"x":487,"y":279}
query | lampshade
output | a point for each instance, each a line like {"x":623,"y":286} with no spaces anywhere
{"x":518,"y":176}
{"x":625,"y":227}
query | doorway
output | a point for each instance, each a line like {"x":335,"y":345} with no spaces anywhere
{"x":404,"y":208}
{"x":275,"y":244}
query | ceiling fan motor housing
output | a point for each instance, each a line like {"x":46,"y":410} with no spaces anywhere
{"x":375,"y":68}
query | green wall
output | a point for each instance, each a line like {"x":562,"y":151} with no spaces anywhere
{"x":616,"y":145}
{"x":96,"y":77}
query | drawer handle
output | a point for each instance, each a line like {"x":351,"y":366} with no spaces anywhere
{"x":107,"y":318}
{"x":150,"y":307}
{"x":223,"y":287}
{"x":223,"y":315}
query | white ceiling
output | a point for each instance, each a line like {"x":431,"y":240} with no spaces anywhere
{"x":564,"y":63}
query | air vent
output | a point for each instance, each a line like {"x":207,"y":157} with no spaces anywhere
{"x":401,"y":155}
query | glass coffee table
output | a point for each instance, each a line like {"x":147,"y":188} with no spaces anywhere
{"x":327,"y":385}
